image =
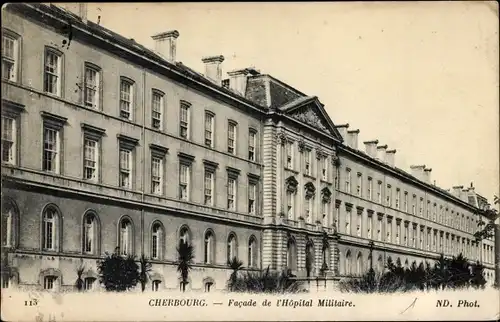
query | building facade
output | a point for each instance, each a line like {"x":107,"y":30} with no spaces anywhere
{"x":110,"y":146}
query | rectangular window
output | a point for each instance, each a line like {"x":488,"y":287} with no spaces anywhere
{"x":184,"y":121}
{"x":414,"y":237}
{"x":358,"y":225}
{"x":398,"y":197}
{"x":231,"y":193}
{"x":9,"y":58}
{"x":359,"y":186}
{"x":421,"y":209}
{"x":337,"y":217}
{"x":49,"y":282}
{"x":156,"y":175}
{"x":307,"y":204}
{"x":407,"y":237}
{"x":324,"y":168}
{"x":126,"y":99}
{"x":370,"y":189}
{"x":8,"y":140}
{"x":348,"y":180}
{"x":209,"y":187}
{"x":51,"y":150}
{"x":290,"y":200}
{"x":348,"y":222}
{"x":307,"y":162}
{"x":379,"y":192}
{"x":252,"y":142}
{"x":231,"y":138}
{"x":389,"y":231}
{"x":324,"y":208}
{"x":289,"y":155}
{"x":379,"y":230}
{"x":91,"y":159}
{"x":156,"y":110}
{"x":125,"y":168}
{"x":398,"y":232}
{"x":388,"y":197}
{"x":91,"y":91}
{"x":405,"y":202}
{"x":52,"y":73}
{"x":414,"y":205}
{"x":184,"y":179}
{"x":369,"y":228}
{"x":251,"y":198}
{"x":337,"y":178}
{"x":209,"y":129}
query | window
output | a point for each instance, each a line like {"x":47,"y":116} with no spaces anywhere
{"x":398,"y":197}
{"x":348,"y":180}
{"x":252,"y":143}
{"x":91,"y":155}
{"x":428,"y":210}
{"x":126,"y":99}
{"x":90,"y":234}
{"x":89,"y":283}
{"x":8,"y":225}
{"x":156,"y":241}
{"x":209,"y":129}
{"x":337,"y":217}
{"x":307,"y":162}
{"x":289,"y":155}
{"x":209,"y":247}
{"x":49,"y":282}
{"x":231,"y":137}
{"x":370,"y":189}
{"x":290,"y":201}
{"x":92,"y":84}
{"x":388,"y":196}
{"x":51,"y":149}
{"x":184,"y":235}
{"x":348,"y":222}
{"x":252,"y":252}
{"x":208,"y":286}
{"x":324,"y":212}
{"x":156,"y":110}
{"x":336,"y":182}
{"x":291,"y":255}
{"x":414,"y":237}
{"x":50,"y":229}
{"x":414,"y":205}
{"x":398,"y":232}
{"x":155,"y":285}
{"x":231,"y":193}
{"x":52,"y":74}
{"x":156,"y":175}
{"x":405,"y":202}
{"x":370,"y":228}
{"x":421,"y":209}
{"x":9,"y":149}
{"x":358,"y":225}
{"x":389,"y":231}
{"x":209,"y":187}
{"x":9,"y":57}
{"x":307,"y":205}
{"x":379,"y":192}
{"x":324,"y":168}
{"x":379,"y":229}
{"x":231,"y":248}
{"x":126,"y":237}
{"x":184,"y":120}
{"x":359,"y":186}
{"x":407,"y":235}
{"x":184,"y":180}
{"x":125,"y":168}
{"x":252,"y":188}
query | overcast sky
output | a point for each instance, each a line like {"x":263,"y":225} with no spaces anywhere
{"x":420,"y":77}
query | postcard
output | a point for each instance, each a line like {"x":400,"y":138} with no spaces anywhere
{"x":292,"y":161}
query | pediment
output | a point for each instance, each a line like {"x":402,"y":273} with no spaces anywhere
{"x":310,"y":111}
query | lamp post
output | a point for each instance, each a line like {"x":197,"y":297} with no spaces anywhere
{"x":371,"y":244}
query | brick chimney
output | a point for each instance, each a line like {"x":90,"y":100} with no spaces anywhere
{"x":342,"y":128}
{"x":390,"y":156}
{"x":213,"y":69}
{"x":352,"y":138}
{"x":381,"y":151}
{"x":418,"y":171}
{"x":238,"y":80}
{"x":427,"y":175}
{"x":371,"y":148}
{"x":166,"y":44}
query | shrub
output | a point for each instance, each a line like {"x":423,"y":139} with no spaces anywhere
{"x":118,"y":273}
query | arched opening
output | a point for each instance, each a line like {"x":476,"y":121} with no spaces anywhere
{"x":359,"y":264}
{"x":91,"y":232}
{"x":309,"y":258}
{"x":231,"y":247}
{"x":252,"y":252}
{"x":184,"y":235}
{"x":209,"y":247}
{"x":291,"y":255}
{"x":51,"y":228}
{"x":10,"y":215}
{"x":348,"y":263}
{"x":125,"y":242}
{"x":157,"y":240}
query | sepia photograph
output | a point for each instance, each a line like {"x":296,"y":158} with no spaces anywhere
{"x":265,"y":161}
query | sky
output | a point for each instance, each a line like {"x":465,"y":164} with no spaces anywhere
{"x":421,"y":77}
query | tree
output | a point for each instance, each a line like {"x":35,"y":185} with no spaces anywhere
{"x":79,"y":281}
{"x":185,"y":253}
{"x":146,"y":268}
{"x":118,"y":273}
{"x":236,"y":265}
{"x":477,"y":279}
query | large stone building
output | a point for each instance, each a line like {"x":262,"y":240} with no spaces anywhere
{"x":108,"y":145}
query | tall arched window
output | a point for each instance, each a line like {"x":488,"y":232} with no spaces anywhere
{"x":156,"y":241}
{"x":380,"y":264}
{"x":359,"y":264}
{"x":184,"y":236}
{"x":9,"y":223}
{"x":50,"y":229}
{"x":309,"y":257}
{"x":231,"y":247}
{"x":209,"y":247}
{"x":90,"y":233}
{"x":252,"y":252}
{"x":126,"y":236}
{"x":348,"y":263}
{"x":291,"y":254}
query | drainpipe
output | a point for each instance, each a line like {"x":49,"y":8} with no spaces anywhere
{"x":143,"y":161}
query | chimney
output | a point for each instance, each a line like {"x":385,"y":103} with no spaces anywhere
{"x":381,"y":151}
{"x":213,"y":69}
{"x":418,"y":171}
{"x":165,"y":44}
{"x":390,"y":157}
{"x":352,"y":138}
{"x":371,"y":148}
{"x":82,"y":11}
{"x":343,"y":130}
{"x":238,"y":80}
{"x":427,"y":175}
{"x":456,"y":190}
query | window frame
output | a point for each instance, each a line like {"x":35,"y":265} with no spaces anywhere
{"x":13,"y":111}
{"x":54,"y":123}
{"x":210,"y":140}
{"x":56,"y":229}
{"x":185,"y":124}
{"x":252,"y":145}
{"x":130,"y":101}
{"x":96,"y":233}
{"x":17,"y":54}
{"x":232,"y":149}
{"x":130,"y":236}
{"x":98,"y":86}
{"x":160,"y":240}
{"x":157,"y":115}
{"x":94,"y":134}
{"x":59,"y":73}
